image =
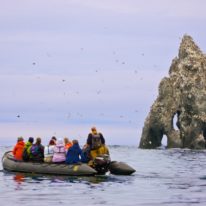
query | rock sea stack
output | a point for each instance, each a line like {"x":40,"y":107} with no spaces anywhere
{"x":182,"y":97}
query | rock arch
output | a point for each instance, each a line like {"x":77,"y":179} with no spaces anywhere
{"x":181,"y":95}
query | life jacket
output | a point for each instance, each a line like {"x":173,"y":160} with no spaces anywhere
{"x":96,"y":141}
{"x":59,"y":149}
{"x":59,"y":153}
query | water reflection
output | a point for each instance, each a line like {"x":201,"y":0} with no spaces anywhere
{"x":19,"y":178}
{"x":37,"y":178}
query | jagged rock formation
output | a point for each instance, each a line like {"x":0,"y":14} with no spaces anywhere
{"x":183,"y":94}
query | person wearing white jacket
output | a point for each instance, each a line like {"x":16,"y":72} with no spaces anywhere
{"x":49,"y":151}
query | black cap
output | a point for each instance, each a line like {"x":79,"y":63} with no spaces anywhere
{"x":31,"y":139}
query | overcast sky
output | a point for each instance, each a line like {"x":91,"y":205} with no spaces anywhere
{"x":66,"y":65}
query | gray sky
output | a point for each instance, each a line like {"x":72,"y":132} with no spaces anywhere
{"x":66,"y":65}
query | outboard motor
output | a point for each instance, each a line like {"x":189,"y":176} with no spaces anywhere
{"x":101,"y":164}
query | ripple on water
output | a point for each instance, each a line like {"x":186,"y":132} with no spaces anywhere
{"x":163,"y":177}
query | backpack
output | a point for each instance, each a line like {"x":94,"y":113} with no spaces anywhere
{"x":96,"y":141}
{"x":34,"y":150}
{"x":25,"y":155}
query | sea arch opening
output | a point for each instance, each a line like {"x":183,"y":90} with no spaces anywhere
{"x":164,"y":141}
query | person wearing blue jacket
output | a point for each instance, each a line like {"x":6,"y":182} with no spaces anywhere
{"x":74,"y":153}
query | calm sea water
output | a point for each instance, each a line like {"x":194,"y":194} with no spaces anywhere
{"x":163,"y":177}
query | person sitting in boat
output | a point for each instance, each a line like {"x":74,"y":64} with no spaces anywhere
{"x":37,"y":151}
{"x":18,"y":149}
{"x":59,"y":152}
{"x":96,"y":143}
{"x":26,"y":153}
{"x":85,"y":156}
{"x":74,"y":153}
{"x":67,"y":143}
{"x":49,"y":151}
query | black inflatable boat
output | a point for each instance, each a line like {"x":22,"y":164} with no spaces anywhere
{"x":81,"y":169}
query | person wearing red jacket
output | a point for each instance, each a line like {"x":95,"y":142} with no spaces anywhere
{"x":18,"y":148}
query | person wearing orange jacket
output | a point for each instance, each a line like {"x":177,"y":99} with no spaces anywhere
{"x":18,"y":148}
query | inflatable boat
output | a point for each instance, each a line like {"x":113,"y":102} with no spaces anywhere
{"x":80,"y":169}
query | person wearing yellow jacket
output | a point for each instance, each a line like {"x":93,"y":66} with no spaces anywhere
{"x":96,"y":142}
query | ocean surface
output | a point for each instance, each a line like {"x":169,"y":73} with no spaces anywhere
{"x":163,"y":177}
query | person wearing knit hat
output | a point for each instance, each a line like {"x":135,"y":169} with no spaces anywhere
{"x":26,"y":153}
{"x":31,"y":140}
{"x":18,"y":149}
{"x":20,"y":139}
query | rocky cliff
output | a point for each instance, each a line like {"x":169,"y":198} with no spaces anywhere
{"x":181,"y":95}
